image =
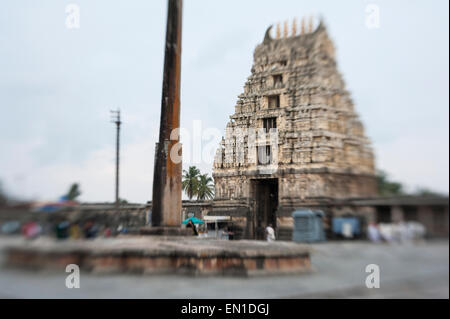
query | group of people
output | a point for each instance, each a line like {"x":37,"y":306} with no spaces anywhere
{"x":395,"y":232}
{"x":69,"y":230}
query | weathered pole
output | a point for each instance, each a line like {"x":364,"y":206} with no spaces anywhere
{"x":117,"y":159}
{"x":116,"y":120}
{"x":166,"y":201}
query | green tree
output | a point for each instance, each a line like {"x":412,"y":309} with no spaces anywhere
{"x":387,"y":187}
{"x":423,"y":191}
{"x":3,"y":196}
{"x":205,"y":187}
{"x":74,"y":192}
{"x":190,"y":181}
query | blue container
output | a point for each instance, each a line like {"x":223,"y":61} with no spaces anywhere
{"x":308,"y":226}
{"x":346,"y":225}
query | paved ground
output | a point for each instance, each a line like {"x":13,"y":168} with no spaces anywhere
{"x":407,"y":271}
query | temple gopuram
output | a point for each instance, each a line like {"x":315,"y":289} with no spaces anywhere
{"x":294,"y":139}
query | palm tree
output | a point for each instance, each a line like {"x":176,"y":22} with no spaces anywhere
{"x":205,"y":189}
{"x":190,"y":181}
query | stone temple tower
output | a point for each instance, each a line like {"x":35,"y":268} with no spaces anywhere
{"x":294,"y":139}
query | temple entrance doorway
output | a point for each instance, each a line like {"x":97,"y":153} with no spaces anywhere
{"x":265,"y":194}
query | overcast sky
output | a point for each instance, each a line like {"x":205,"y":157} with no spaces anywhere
{"x":57,"y":85}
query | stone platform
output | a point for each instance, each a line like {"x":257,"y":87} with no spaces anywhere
{"x":165,"y":231}
{"x":162,"y":255}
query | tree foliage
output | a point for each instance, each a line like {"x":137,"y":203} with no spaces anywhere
{"x":205,"y":188}
{"x":74,"y":192}
{"x":425,"y":192}
{"x":196,"y":184}
{"x":387,"y":187}
{"x":3,"y":196}
{"x":190,"y":181}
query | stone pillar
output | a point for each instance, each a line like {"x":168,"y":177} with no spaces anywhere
{"x":446,"y":225}
{"x":425,"y":217}
{"x":168,"y":167}
{"x":371,"y":213}
{"x":397,"y":214}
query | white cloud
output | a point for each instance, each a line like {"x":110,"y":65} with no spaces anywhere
{"x":96,"y":174}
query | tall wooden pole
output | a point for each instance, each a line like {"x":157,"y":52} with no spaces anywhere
{"x":166,"y":202}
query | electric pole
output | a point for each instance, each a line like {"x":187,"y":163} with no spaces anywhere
{"x":115,"y":118}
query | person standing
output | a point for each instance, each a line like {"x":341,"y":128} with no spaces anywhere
{"x":190,"y":224}
{"x":373,"y":232}
{"x":270,"y":233}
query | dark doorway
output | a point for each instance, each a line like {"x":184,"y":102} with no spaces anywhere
{"x":384,"y":214}
{"x":410,"y":214}
{"x":266,"y":203}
